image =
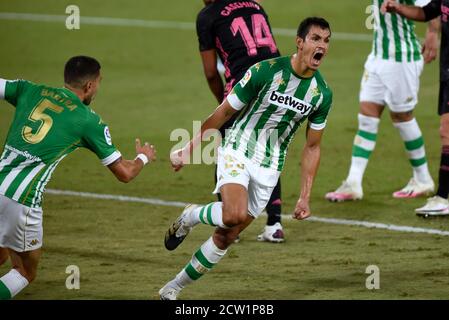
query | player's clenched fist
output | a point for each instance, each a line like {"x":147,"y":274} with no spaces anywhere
{"x":177,"y":159}
{"x":147,"y":149}
{"x":302,"y":210}
{"x":389,"y":6}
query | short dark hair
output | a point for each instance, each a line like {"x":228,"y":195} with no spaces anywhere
{"x":307,"y":23}
{"x":79,"y":69}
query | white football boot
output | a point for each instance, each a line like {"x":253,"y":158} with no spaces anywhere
{"x":346,"y":192}
{"x":272,"y":233}
{"x":435,"y":206}
{"x":415,"y":189}
{"x":168,"y":293}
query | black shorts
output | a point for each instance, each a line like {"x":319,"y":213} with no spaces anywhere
{"x":443,"y":103}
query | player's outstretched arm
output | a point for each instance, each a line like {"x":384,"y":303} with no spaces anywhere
{"x":209,"y":59}
{"x":310,"y":161}
{"x":215,"y":121}
{"x":410,"y":12}
{"x":127,"y":170}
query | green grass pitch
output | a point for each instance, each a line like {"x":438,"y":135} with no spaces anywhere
{"x":152,"y":84}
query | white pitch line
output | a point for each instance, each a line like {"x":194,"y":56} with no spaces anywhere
{"x":157,"y":24}
{"x":159,"y":202}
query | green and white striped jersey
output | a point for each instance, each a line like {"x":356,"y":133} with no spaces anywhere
{"x":394,"y":35}
{"x":49,"y":123}
{"x":277,"y":102}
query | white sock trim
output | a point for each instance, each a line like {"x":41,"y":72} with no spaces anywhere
{"x":368,"y":124}
{"x":408,"y":130}
{"x":14,"y":281}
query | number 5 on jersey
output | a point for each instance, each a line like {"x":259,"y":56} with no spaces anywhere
{"x":46,"y":121}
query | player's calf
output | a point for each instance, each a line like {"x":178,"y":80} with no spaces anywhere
{"x":223,"y":238}
{"x":3,"y":255}
{"x":26,"y":263}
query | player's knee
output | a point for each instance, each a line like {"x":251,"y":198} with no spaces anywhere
{"x":401,"y":116}
{"x":233,"y":215}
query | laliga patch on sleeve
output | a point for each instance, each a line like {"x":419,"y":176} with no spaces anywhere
{"x":107,"y":136}
{"x":246,"y":78}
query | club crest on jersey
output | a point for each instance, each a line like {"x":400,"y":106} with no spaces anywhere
{"x":107,"y":136}
{"x":245,"y":79}
{"x":315,"y":92}
{"x":289,"y":102}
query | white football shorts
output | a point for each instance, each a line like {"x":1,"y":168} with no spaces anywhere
{"x":391,"y":83}
{"x":232,"y":167}
{"x":20,"y":226}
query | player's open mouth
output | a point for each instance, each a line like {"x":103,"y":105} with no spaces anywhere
{"x":317,"y":56}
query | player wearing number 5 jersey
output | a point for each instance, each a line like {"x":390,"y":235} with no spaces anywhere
{"x":240,"y":33}
{"x":49,"y":123}
{"x":276,"y":96}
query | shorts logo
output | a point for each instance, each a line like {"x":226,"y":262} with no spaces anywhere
{"x":107,"y":136}
{"x":245,"y":79}
{"x":34,"y":242}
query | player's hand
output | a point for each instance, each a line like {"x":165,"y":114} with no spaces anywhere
{"x":147,"y":149}
{"x":389,"y":6}
{"x":178,"y":159}
{"x":430,"y":47}
{"x":302,"y":210}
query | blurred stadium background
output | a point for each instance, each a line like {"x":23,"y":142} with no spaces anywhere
{"x":152,"y":84}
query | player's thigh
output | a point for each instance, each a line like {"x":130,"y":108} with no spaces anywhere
{"x":372,"y":88}
{"x":235,"y":203}
{"x":402,"y":82}
{"x":20,"y":226}
{"x":232,"y":183}
{"x":261,"y":186}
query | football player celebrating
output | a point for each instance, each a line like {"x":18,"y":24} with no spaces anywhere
{"x":277,"y":96}
{"x":49,"y":124}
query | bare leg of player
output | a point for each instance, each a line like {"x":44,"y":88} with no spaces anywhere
{"x":4,"y":255}
{"x":231,"y":217}
{"x":23,"y":272}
